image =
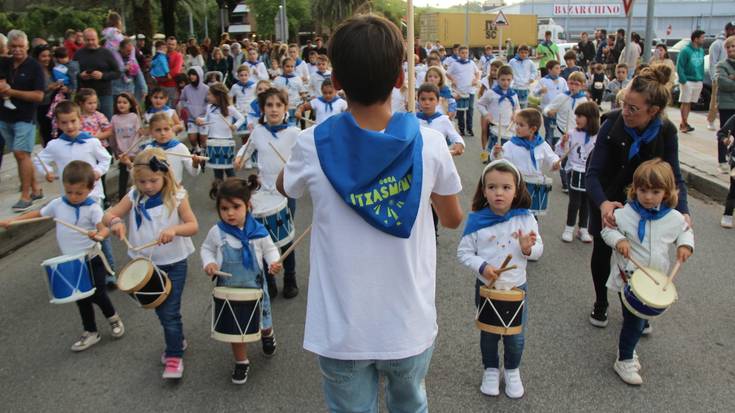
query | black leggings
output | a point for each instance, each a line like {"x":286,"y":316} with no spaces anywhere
{"x":600,"y":266}
{"x":122,"y":181}
{"x":577,"y":203}
{"x":725,"y":114}
{"x":730,"y":202}
{"x":220,"y":173}
{"x":86,"y":311}
{"x":44,"y":124}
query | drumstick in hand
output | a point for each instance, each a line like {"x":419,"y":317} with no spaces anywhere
{"x":506,"y":261}
{"x":187,"y":155}
{"x":504,"y":269}
{"x":43,"y":164}
{"x":222,"y":274}
{"x":674,"y":271}
{"x":28,"y":221}
{"x":75,"y":228}
{"x":144,"y":246}
{"x":293,"y":246}
{"x":640,"y":267}
{"x":276,"y":151}
{"x":135,"y":144}
{"x":127,"y":243}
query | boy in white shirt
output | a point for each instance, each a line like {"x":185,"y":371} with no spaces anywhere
{"x":258,"y":71}
{"x":524,"y":73}
{"x":321,"y":74}
{"x":389,"y":212}
{"x":428,"y":96}
{"x":301,"y":68}
{"x":497,"y":107}
{"x":548,"y":87}
{"x":486,"y":59}
{"x":465,"y":77}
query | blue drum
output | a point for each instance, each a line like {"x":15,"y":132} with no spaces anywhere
{"x":221,"y":153}
{"x":645,"y":298}
{"x":539,"y":189}
{"x":68,"y":278}
{"x":271,"y":210}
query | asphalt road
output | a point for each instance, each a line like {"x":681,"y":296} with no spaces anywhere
{"x":688,"y":362}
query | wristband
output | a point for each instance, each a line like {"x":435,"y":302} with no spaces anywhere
{"x":115,"y":220}
{"x":482,"y":268}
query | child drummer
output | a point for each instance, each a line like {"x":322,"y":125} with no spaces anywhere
{"x":649,"y":211}
{"x":78,"y":208}
{"x":501,"y":224}
{"x":237,"y":245}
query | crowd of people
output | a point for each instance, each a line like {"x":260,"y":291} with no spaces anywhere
{"x":300,"y":116}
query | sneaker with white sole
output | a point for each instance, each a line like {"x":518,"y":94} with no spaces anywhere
{"x":647,"y":330}
{"x":584,"y":235}
{"x":636,"y":360}
{"x":726,"y":221}
{"x":87,"y":340}
{"x":628,"y":371}
{"x":711,"y":125}
{"x":598,"y":316}
{"x":724,"y":167}
{"x":163,"y":355}
{"x":117,"y":326}
{"x":490,"y":382}
{"x":513,"y":384}
{"x":568,"y":234}
{"x":240,"y":373}
{"x":174,"y":368}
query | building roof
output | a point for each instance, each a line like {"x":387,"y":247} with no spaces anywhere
{"x":241,"y":8}
{"x":239,"y":28}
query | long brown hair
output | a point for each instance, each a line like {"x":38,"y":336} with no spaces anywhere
{"x":591,"y":111}
{"x":651,"y":84}
{"x":220,"y":93}
{"x":521,"y":199}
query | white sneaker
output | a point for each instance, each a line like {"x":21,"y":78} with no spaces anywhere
{"x":9,"y":105}
{"x":636,"y":360}
{"x":584,"y":236}
{"x":724,"y":168}
{"x":647,"y":330}
{"x":490,"y":382}
{"x":726,"y":221}
{"x":568,"y":234}
{"x":711,"y":125}
{"x":87,"y":340}
{"x":513,"y":384}
{"x":628,"y":372}
{"x":117,"y":326}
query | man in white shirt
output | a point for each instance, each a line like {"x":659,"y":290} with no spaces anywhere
{"x":371,"y":305}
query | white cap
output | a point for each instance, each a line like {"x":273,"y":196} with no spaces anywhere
{"x":140,"y":37}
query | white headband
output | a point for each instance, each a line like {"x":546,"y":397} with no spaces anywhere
{"x":503,"y":162}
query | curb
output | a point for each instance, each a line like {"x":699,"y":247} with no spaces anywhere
{"x":705,"y":183}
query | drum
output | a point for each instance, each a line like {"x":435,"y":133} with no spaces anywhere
{"x":576,"y":181}
{"x":644,"y":298}
{"x":271,"y":210}
{"x":539,"y":189}
{"x":236,"y":314}
{"x":145,"y":282}
{"x":221,"y":153}
{"x":68,"y":278}
{"x":501,"y":312}
{"x":463,"y":103}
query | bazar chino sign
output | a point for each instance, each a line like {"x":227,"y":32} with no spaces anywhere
{"x":609,"y":9}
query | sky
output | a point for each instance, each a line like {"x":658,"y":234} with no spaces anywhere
{"x":449,"y":3}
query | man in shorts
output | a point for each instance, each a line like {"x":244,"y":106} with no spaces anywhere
{"x":690,"y":68}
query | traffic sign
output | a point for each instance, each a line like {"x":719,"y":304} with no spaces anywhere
{"x":628,"y":6}
{"x":501,"y":20}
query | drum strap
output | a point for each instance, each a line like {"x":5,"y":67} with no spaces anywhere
{"x":96,"y":251}
{"x":506,"y":325}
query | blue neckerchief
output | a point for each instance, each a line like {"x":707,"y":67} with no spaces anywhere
{"x":285,"y":76}
{"x":445,"y":92}
{"x":165,"y":146}
{"x":646,"y":137}
{"x":325,"y":75}
{"x":251,"y":230}
{"x":245,"y":86}
{"x":80,"y":139}
{"x":255,"y":109}
{"x":587,"y":136}
{"x":574,"y":97}
{"x":274,"y":129}
{"x":463,"y":61}
{"x":298,"y":62}
{"x":141,"y":208}
{"x":647,"y":215}
{"x":551,"y":77}
{"x":77,"y":207}
{"x":154,"y":110}
{"x":328,"y":103}
{"x":428,"y":118}
{"x":519,"y":58}
{"x":378,"y":174}
{"x":507,"y":94}
{"x":530,"y":145}
{"x":485,"y":218}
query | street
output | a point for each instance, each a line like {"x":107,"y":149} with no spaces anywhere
{"x":688,"y":361}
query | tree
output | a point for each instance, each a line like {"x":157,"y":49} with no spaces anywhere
{"x":265,"y":11}
{"x":143,"y":21}
{"x":330,"y":12}
{"x":168,"y":15}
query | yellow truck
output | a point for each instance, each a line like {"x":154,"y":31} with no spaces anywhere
{"x":449,"y":28}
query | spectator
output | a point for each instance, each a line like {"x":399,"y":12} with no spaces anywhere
{"x":265,"y":55}
{"x":175,"y":66}
{"x":610,"y":59}
{"x":132,"y":80}
{"x":619,"y":43}
{"x":25,"y":87}
{"x":38,"y":41}
{"x":306,"y":49}
{"x":725,"y":75}
{"x":205,"y":48}
{"x":586,"y":51}
{"x":661,"y":56}
{"x":72,"y":42}
{"x":237,"y":58}
{"x":717,"y":54}
{"x":546,"y":51}
{"x":193,"y":58}
{"x":690,"y":68}
{"x":320,"y":49}
{"x":601,"y":39}
{"x":218,"y":63}
{"x":112,"y":35}
{"x":97,"y":69}
{"x":42,"y":54}
{"x":631,"y":53}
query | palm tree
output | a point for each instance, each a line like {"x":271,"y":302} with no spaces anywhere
{"x":329,"y":13}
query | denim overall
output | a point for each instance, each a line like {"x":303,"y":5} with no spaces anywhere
{"x":244,"y":277}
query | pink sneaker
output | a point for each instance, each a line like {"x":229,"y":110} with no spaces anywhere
{"x":163,"y":354}
{"x":174,"y":368}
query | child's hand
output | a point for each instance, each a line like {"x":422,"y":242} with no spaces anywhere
{"x":298,"y":115}
{"x":251,"y":127}
{"x":199,"y":121}
{"x":210,"y":269}
{"x":497,"y":150}
{"x":195,"y":161}
{"x":50,"y":177}
{"x":5,"y":223}
{"x":238,"y":163}
{"x":564,"y":139}
{"x":456,"y":149}
{"x":489,"y":274}
{"x":543,"y":90}
{"x":166,"y":236}
{"x":275,"y":268}
{"x":97,"y":175}
{"x":683,"y":253}
{"x":489,"y":118}
{"x":623,"y":248}
{"x":551,"y":113}
{"x":94,"y":235}
{"x":556,"y":165}
{"x":526,"y":241}
{"x":119,"y":230}
{"x":727,"y":141}
{"x":125,"y":160}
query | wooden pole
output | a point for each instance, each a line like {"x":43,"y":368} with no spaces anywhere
{"x":409,"y":61}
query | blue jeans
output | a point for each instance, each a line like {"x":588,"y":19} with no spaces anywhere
{"x":492,"y":139}
{"x":630,"y":333}
{"x":352,"y":385}
{"x":20,"y":136}
{"x":512,"y":345}
{"x":105,"y":105}
{"x":464,"y":118}
{"x":550,"y":131}
{"x":522,"y":97}
{"x":169,"y":312}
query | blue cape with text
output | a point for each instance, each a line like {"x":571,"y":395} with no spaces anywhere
{"x":378,"y":174}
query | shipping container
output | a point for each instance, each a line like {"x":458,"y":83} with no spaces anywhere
{"x":449,"y":28}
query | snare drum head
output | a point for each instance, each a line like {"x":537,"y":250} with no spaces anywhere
{"x":237,"y":294}
{"x":64,"y":258}
{"x":267,"y":203}
{"x":648,"y":292}
{"x":134,"y":274}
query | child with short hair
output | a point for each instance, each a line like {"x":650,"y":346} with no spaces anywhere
{"x":158,"y":209}
{"x":616,"y":85}
{"x":725,"y":137}
{"x":486,"y":60}
{"x":157,"y":102}
{"x":318,"y":76}
{"x":576,"y":146}
{"x":222,"y":120}
{"x":300,"y":68}
{"x":258,"y":71}
{"x":325,"y":105}
{"x":597,"y":83}
{"x":649,"y":210}
{"x":293,"y":85}
{"x":570,"y":59}
{"x":126,"y":126}
{"x":179,"y":157}
{"x":159,"y":64}
{"x":548,"y":87}
{"x":447,"y":104}
{"x":78,"y":208}
{"x":428,"y":97}
{"x":501,"y":217}
{"x":93,"y":121}
{"x":465,"y":76}
{"x":242,"y":93}
{"x":497,"y":107}
{"x":193,"y":100}
{"x":237,"y":245}
{"x":524,"y":73}
{"x":65,"y":70}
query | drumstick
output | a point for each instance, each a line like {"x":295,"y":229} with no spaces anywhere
{"x":135,"y":144}
{"x":127,"y":243}
{"x":276,"y":151}
{"x":313,"y":122}
{"x":506,"y":261}
{"x":640,"y":267}
{"x":187,"y":155}
{"x":76,"y":228}
{"x":144,"y":246}
{"x":293,"y":246}
{"x":566,"y":154}
{"x":222,"y":274}
{"x":674,"y":271}
{"x":28,"y":221}
{"x":504,"y":269}
{"x":43,"y":164}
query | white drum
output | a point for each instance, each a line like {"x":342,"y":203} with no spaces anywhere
{"x":271,"y":210}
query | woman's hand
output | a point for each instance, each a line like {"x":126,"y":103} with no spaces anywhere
{"x":607,"y":210}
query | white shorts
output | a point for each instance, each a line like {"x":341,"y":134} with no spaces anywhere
{"x":193,"y":128}
{"x":689,"y":92}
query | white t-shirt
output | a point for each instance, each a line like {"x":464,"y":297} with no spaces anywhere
{"x":562,"y":104}
{"x":70,"y":241}
{"x":320,"y":108}
{"x":521,"y":158}
{"x":269,"y":163}
{"x":218,"y":125}
{"x":169,"y":112}
{"x":211,"y":250}
{"x":294,"y":88}
{"x":500,"y":112}
{"x":397,"y":101}
{"x":464,"y":76}
{"x":371,"y":294}
{"x":443,"y":125}
{"x":553,"y":88}
{"x":315,"y":84}
{"x":179,"y":163}
{"x":241,"y":97}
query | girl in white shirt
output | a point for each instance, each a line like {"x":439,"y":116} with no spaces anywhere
{"x":501,"y":225}
{"x":576,"y":146}
{"x":293,"y":85}
{"x":237,"y":245}
{"x":327,"y":104}
{"x":157,"y":101}
{"x":179,"y":157}
{"x":158,"y":209}
{"x":646,"y":228}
